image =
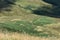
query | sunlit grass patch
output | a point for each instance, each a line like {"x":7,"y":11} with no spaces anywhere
{"x":43,"y":21}
{"x":22,"y":27}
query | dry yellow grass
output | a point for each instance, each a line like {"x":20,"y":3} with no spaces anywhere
{"x":53,"y":28}
{"x":17,"y":36}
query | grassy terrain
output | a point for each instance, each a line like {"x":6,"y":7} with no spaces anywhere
{"x":20,"y":19}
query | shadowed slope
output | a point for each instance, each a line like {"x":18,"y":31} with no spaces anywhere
{"x":45,"y":11}
{"x":6,"y":3}
{"x":53,"y":2}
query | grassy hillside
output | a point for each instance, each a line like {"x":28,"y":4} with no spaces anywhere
{"x":30,"y":18}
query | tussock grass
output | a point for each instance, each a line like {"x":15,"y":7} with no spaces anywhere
{"x":22,"y":27}
{"x":43,"y":21}
{"x":18,"y":36}
{"x":28,"y":27}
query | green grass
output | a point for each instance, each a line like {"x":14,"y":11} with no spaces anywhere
{"x":28,"y":27}
{"x":43,"y":21}
{"x":22,"y":27}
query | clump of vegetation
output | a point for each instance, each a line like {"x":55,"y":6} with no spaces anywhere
{"x":43,"y":21}
{"x":17,"y":26}
{"x":22,"y":27}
